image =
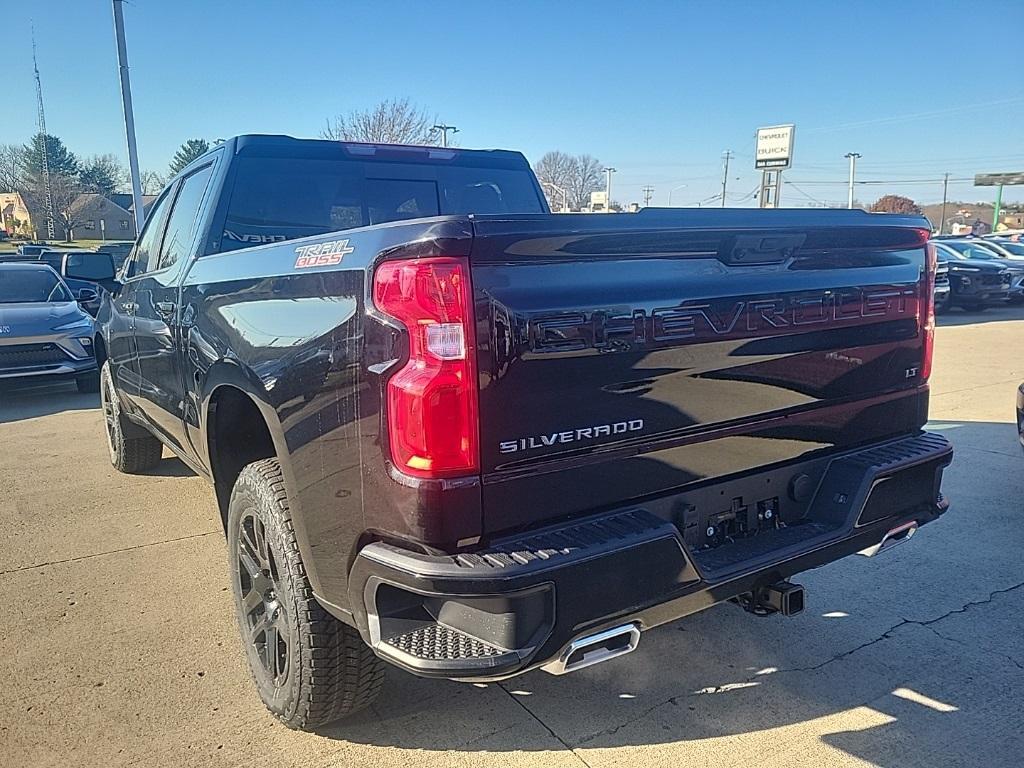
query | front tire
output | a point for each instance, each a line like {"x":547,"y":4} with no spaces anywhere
{"x":310,"y":668}
{"x":130,"y":455}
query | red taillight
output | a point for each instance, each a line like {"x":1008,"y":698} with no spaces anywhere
{"x":432,"y":400}
{"x":928,"y":321}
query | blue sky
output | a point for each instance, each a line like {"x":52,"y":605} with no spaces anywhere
{"x":657,"y":90}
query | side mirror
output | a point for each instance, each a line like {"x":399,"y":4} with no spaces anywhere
{"x":87,"y":295}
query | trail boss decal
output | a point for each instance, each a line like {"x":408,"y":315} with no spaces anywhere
{"x":322,"y":254}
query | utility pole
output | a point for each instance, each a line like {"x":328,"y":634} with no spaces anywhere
{"x":852,"y":157}
{"x":444,"y":132}
{"x":608,"y":189}
{"x":727,"y":155}
{"x":995,"y":211}
{"x":648,"y":191}
{"x":129,"y":117}
{"x":41,"y":119}
{"x":945,"y":196}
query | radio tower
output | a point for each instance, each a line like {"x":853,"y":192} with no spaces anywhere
{"x":47,"y":195}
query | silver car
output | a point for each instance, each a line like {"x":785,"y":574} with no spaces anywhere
{"x":43,"y":330}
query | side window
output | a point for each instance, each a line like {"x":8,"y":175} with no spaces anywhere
{"x":181,"y":225}
{"x":143,"y":257}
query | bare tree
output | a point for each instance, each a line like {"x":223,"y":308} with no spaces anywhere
{"x":578,"y":176}
{"x":12,"y":167}
{"x":103,"y":174}
{"x":392,"y":121}
{"x":555,"y":172}
{"x":64,"y":191}
{"x":152,"y":182}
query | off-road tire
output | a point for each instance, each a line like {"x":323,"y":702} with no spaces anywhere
{"x":326,"y":671}
{"x":131,"y":455}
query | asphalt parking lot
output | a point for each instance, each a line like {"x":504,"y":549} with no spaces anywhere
{"x":119,"y":645}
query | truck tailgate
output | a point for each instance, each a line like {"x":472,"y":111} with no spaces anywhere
{"x":623,"y":356}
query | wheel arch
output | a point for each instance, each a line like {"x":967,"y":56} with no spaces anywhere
{"x":239,"y":426}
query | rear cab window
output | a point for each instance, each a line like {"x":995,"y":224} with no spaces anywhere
{"x":98,"y":266}
{"x":282,"y":198}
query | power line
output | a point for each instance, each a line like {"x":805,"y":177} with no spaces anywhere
{"x":913,"y":115}
{"x":813,"y":199}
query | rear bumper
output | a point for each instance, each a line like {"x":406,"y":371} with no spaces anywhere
{"x":514,"y":606}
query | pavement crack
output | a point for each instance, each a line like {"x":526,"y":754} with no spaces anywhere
{"x":901,"y":623}
{"x":972,"y":604}
{"x":643,"y":715}
{"x":108,"y":552}
{"x":927,"y":624}
{"x":973,"y":646}
{"x":543,"y":725}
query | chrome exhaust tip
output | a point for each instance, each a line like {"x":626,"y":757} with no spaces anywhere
{"x":594,"y":649}
{"x":895,"y":536}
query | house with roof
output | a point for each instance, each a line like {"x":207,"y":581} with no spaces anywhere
{"x":97,"y":217}
{"x":15,"y":218}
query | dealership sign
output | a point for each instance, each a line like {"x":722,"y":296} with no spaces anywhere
{"x":774,"y":147}
{"x":998,"y":179}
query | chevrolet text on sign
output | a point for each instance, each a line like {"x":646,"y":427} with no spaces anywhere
{"x":774,"y":147}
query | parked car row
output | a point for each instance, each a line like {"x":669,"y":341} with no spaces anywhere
{"x":980,"y":272}
{"x":86,"y":273}
{"x":44,"y":330}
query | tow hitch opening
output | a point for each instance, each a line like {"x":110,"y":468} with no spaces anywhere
{"x":781,"y":597}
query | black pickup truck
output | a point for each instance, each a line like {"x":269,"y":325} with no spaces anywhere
{"x":454,"y":432}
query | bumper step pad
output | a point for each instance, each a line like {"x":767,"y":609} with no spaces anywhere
{"x":436,"y":642}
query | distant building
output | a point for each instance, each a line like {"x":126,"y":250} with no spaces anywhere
{"x":15,"y":218}
{"x":95,"y":217}
{"x":1014,"y":220}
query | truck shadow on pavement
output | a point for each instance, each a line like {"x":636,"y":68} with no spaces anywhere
{"x":902,"y":659}
{"x":33,"y":400}
{"x":999,"y":314}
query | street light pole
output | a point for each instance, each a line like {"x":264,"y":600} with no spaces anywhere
{"x":670,"y":193}
{"x":945,"y":196}
{"x":852,"y":156}
{"x":608,"y":189}
{"x":129,"y":117}
{"x":444,"y":132}
{"x":999,"y":203}
{"x":565,"y":195}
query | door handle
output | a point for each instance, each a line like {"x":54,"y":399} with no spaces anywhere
{"x":129,"y":307}
{"x":165,"y":308}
